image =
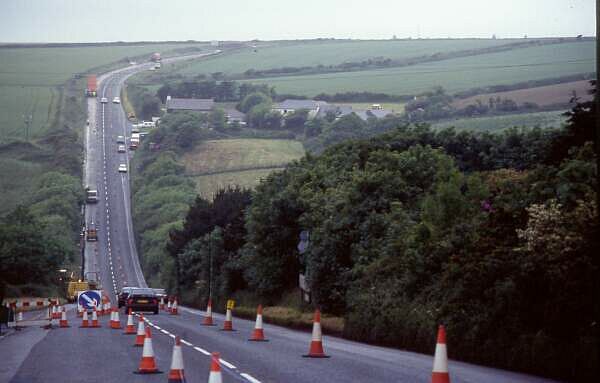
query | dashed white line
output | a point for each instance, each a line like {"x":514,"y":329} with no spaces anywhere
{"x":201,"y":350}
{"x":185,"y":342}
{"x":250,"y":378}
{"x":227,"y":364}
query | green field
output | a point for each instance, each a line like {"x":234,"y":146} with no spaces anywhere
{"x":313,"y":53}
{"x":30,"y":77}
{"x":496,"y":123}
{"x":457,"y":74}
{"x":244,"y":162}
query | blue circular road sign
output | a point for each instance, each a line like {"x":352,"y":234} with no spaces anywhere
{"x":89,"y":299}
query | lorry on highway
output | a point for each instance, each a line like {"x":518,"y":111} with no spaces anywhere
{"x":90,"y":281}
{"x":91,"y":233}
{"x":91,"y":195}
{"x":92,"y":87}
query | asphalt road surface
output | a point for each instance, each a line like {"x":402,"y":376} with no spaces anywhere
{"x":103,"y":355}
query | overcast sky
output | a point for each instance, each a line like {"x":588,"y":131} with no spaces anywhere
{"x":134,"y":20}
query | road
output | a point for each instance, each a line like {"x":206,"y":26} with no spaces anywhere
{"x":103,"y":355}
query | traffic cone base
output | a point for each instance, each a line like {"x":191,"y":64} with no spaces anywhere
{"x":208,"y":321}
{"x":316,"y":351}
{"x":440,"y":377}
{"x":148,"y":363}
{"x":258,"y":336}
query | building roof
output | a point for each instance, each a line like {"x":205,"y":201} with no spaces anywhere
{"x":377,"y":113}
{"x":198,"y":104}
{"x":338,"y":110}
{"x":299,"y":104}
{"x":234,"y":114}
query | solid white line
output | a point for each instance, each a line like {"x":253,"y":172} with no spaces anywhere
{"x":186,"y":342}
{"x":202,"y":350}
{"x":250,"y":378}
{"x":227,"y":364}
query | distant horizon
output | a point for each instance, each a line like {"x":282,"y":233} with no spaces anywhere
{"x":408,"y":38}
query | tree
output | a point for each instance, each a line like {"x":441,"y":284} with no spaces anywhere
{"x":216,"y":119}
{"x":252,"y":100}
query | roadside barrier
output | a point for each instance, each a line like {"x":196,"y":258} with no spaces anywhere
{"x":228,"y":324}
{"x":141,"y":333}
{"x":440,"y":360}
{"x":148,"y":363}
{"x":316,"y":344}
{"x":258,"y":334}
{"x":176,"y":374}
{"x":215,"y":369}
{"x":208,"y":319}
{"x":130,"y":328}
{"x":85,"y":323}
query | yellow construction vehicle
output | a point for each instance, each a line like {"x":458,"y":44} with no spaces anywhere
{"x":90,"y":281}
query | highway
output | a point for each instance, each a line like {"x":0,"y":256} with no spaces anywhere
{"x":103,"y":355}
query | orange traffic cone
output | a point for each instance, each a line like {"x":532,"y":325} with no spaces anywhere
{"x":169,"y":306}
{"x":174,"y":308}
{"x":208,"y":319}
{"x":215,"y":369}
{"x":176,"y":372}
{"x":55,"y":312}
{"x":130,"y":328}
{"x":141,"y":333}
{"x":316,"y":344}
{"x":228,"y":324}
{"x":95,"y":323}
{"x":85,"y":323}
{"x":20,"y":317}
{"x":440,"y":360}
{"x":79,"y":311}
{"x":63,"y":319}
{"x":162,"y":303}
{"x":258,"y":334}
{"x":115,"y":322}
{"x":147,"y":364}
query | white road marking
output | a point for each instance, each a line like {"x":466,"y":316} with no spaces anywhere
{"x":227,"y":364}
{"x":201,"y":350}
{"x":185,"y":342}
{"x":250,"y":378}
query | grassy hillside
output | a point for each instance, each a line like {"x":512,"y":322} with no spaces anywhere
{"x":312,"y":53}
{"x":496,"y":123}
{"x":30,"y":79}
{"x":220,"y":163}
{"x":457,"y":74}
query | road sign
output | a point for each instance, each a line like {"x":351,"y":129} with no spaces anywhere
{"x":230,"y":304}
{"x":89,"y":299}
{"x":304,"y":241}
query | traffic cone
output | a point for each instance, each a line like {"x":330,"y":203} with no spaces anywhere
{"x":130,"y":328}
{"x":208,"y":319}
{"x":169,"y":306}
{"x":79,"y":311}
{"x":85,"y":323}
{"x":148,"y":364}
{"x":20,"y":316}
{"x":258,"y":334}
{"x":174,"y":308}
{"x":176,"y":371}
{"x":162,"y":303}
{"x":63,"y":319}
{"x":228,"y":324}
{"x":95,"y":323}
{"x":141,"y":333}
{"x":115,"y":322}
{"x":215,"y":369}
{"x":440,"y":360}
{"x":55,"y":313}
{"x":316,"y":344}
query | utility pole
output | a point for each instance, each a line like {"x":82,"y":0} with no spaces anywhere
{"x":28,"y":118}
{"x":597,"y":147}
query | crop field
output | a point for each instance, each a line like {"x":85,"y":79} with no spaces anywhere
{"x":17,"y":176}
{"x":244,"y":162}
{"x":241,"y":154}
{"x":208,"y":185}
{"x":518,"y":65}
{"x":497,"y":123}
{"x":30,"y":77}
{"x":313,"y":53}
{"x":541,"y":95}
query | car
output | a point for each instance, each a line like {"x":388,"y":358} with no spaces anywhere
{"x":116,"y":100}
{"x":120,"y":139}
{"x":142,"y":300}
{"x":124,"y":294}
{"x":123,"y":168}
{"x":121,"y":149}
{"x":104,"y":100}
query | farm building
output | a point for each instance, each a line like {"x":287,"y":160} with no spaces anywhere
{"x":193,"y":104}
{"x":234,"y":115}
{"x":290,"y":106}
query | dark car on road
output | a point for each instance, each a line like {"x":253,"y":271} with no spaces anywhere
{"x":124,"y":294}
{"x":142,"y":300}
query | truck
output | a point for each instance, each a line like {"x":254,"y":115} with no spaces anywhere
{"x":91,"y":233}
{"x":91,"y":195}
{"x":155,"y":57}
{"x":90,"y":281}
{"x":92,"y":87}
{"x":134,"y":141}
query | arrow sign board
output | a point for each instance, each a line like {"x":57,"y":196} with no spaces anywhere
{"x":89,"y":299}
